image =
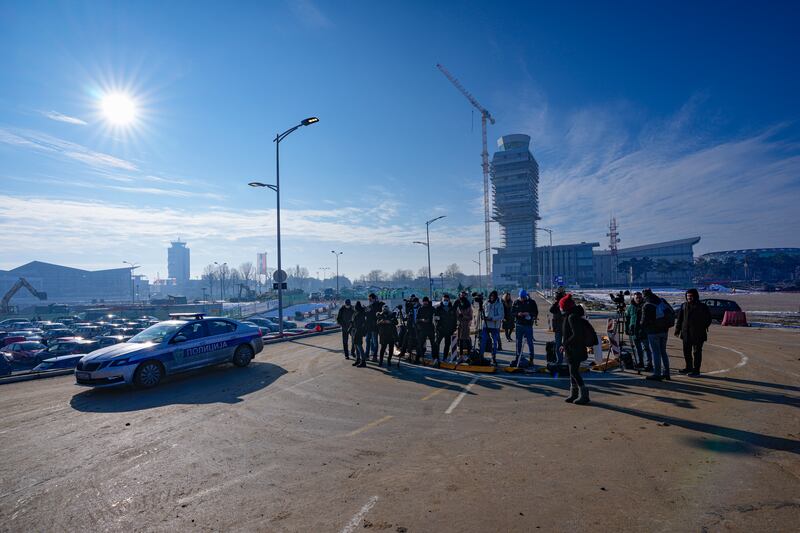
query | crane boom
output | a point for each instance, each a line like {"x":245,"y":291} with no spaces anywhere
{"x":20,"y":283}
{"x":465,"y":92}
{"x":485,"y":115}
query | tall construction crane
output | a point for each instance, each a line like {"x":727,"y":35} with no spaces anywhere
{"x":485,"y":115}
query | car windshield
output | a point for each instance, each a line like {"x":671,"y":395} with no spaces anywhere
{"x":157,"y":333}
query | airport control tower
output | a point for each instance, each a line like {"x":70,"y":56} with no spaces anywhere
{"x":515,"y":181}
{"x":178,"y":262}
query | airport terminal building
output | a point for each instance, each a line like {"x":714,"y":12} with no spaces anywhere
{"x":68,"y":285}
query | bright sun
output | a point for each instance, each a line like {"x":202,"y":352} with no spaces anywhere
{"x":118,"y":108}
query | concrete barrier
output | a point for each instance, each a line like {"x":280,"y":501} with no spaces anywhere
{"x":734,"y":318}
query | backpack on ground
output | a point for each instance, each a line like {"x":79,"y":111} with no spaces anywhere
{"x":550,"y":350}
{"x":665,"y":314}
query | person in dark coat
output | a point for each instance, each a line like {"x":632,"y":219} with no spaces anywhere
{"x":464,"y":315}
{"x":446,"y":324}
{"x":574,"y":333}
{"x":410,"y":338}
{"x":557,"y":321}
{"x":691,"y":325}
{"x":373,"y":308}
{"x":508,"y":318}
{"x":525,"y":312}
{"x":634,"y":329}
{"x":657,"y":329}
{"x":358,"y":329}
{"x":425,"y":331}
{"x":387,"y":333}
{"x":343,"y":318}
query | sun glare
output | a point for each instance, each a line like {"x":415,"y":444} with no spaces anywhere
{"x":118,"y":108}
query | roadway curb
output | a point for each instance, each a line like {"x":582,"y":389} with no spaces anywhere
{"x":35,"y":375}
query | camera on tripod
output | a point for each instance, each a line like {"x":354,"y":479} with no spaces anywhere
{"x":478,"y":297}
{"x":619,"y":300}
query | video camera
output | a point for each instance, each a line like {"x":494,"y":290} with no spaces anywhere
{"x":619,"y":300}
{"x":478,"y":297}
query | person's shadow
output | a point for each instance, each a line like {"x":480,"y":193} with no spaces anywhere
{"x":217,"y":384}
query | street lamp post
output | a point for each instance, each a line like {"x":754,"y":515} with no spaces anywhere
{"x":222,"y":280}
{"x":428,"y":245}
{"x":550,"y":257}
{"x":277,"y":188}
{"x":337,"y":254}
{"x":480,"y":278}
{"x":132,"y":267}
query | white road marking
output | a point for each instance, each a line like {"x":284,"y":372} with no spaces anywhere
{"x":460,"y":396}
{"x":743,"y":361}
{"x":355,"y":522}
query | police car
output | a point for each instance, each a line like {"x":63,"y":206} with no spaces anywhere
{"x":185,"y":342}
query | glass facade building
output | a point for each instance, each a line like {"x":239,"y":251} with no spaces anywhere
{"x":574,"y":263}
{"x":515,"y":183}
{"x":671,"y":264}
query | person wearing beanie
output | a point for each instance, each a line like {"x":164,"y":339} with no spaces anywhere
{"x":691,"y":326}
{"x":343,"y":318}
{"x":358,"y":327}
{"x":556,"y":320}
{"x":525,"y":312}
{"x":575,"y":330}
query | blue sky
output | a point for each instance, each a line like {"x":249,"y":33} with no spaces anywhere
{"x":680,"y":119}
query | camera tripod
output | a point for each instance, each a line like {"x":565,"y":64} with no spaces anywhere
{"x":619,"y":333}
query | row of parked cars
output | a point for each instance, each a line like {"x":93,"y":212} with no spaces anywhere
{"x":46,"y":345}
{"x":41,"y":346}
{"x":270,"y":329}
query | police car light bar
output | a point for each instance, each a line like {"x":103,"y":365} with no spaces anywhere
{"x":187,"y":316}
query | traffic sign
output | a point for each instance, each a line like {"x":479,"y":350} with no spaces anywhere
{"x":276,"y":286}
{"x":279,"y":276}
{"x":559,"y":280}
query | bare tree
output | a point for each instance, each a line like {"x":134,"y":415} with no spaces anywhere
{"x":422,"y":272}
{"x":376,"y":276}
{"x":402,"y":275}
{"x":248,"y":272}
{"x":209,"y":274}
{"x":452,"y":271}
{"x":223,"y":273}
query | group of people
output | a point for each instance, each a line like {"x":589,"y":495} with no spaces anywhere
{"x":648,"y":320}
{"x":372,"y":331}
{"x":447,"y":328}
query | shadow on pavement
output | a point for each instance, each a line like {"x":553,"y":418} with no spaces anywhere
{"x":746,"y":438}
{"x":217,"y":384}
{"x":697,"y":389}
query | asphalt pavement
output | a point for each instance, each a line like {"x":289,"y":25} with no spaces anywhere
{"x":302,"y":441}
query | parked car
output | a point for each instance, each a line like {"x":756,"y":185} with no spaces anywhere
{"x":49,"y":335}
{"x":88,"y":332}
{"x":59,"y":363}
{"x":24,"y":352}
{"x":110,"y":340}
{"x":13,"y":338}
{"x":293,"y":332}
{"x":718,"y":306}
{"x":170,"y":347}
{"x":322,"y":324}
{"x":70,"y":347}
{"x":14,"y":323}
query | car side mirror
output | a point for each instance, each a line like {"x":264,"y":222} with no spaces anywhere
{"x":179,"y":338}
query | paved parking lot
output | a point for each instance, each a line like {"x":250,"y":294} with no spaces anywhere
{"x":302,"y":441}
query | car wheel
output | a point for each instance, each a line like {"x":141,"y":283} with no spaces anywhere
{"x":148,"y":374}
{"x":243,"y":356}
